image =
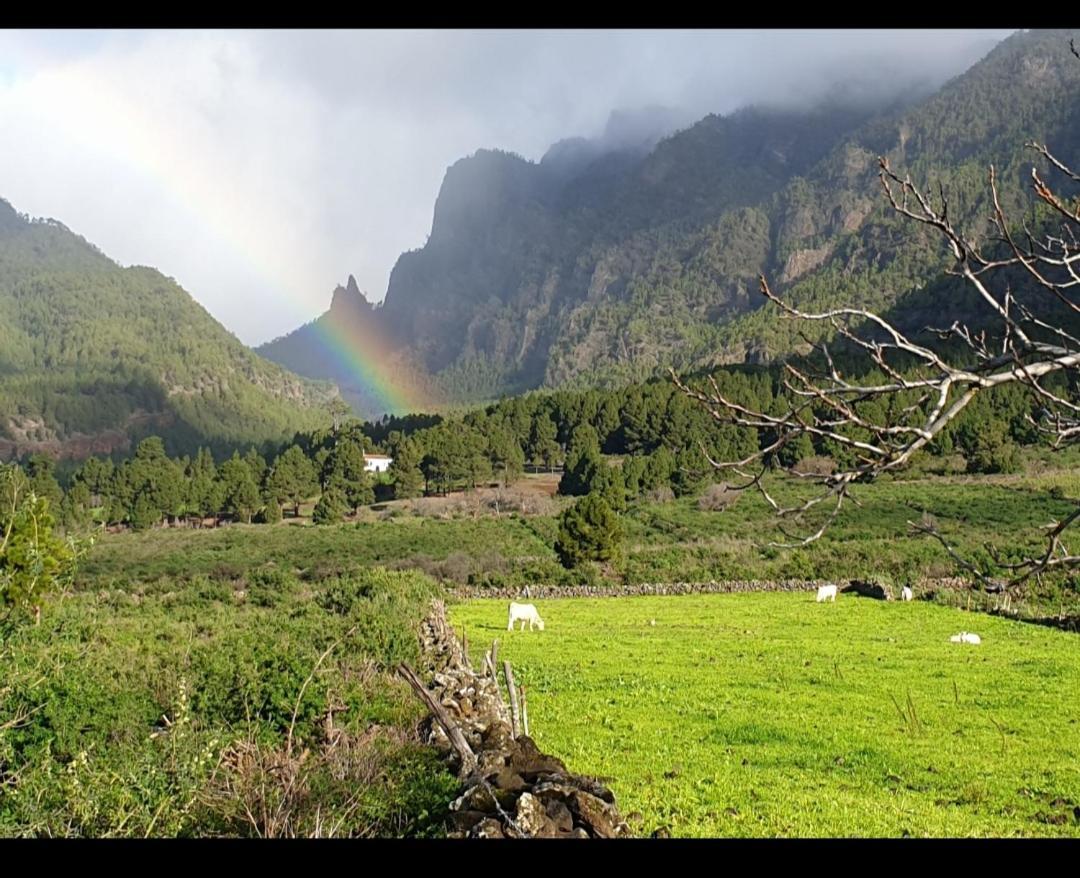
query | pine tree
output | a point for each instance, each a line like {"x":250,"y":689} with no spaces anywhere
{"x":588,"y":531}
{"x":292,"y":479}
{"x":331,"y":507}
{"x":239,"y":491}
{"x":405,"y":468}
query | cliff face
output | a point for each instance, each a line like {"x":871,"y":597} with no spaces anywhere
{"x":611,"y":259}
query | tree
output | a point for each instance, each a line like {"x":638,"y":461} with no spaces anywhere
{"x":76,"y":508}
{"x":348,"y":472}
{"x":504,"y":452}
{"x":543,"y":450}
{"x":1023,"y":278}
{"x":405,"y":468}
{"x":331,"y":506}
{"x":205,"y":491}
{"x":33,"y":561}
{"x":240,"y":494}
{"x":588,"y":531}
{"x":338,"y":410}
{"x":41,"y":470}
{"x":582,"y":460}
{"x":292,"y":479}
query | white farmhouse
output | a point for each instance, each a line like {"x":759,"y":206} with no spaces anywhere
{"x":377,"y":463}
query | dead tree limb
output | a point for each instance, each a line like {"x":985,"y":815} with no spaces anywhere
{"x":925,"y":382}
{"x":515,"y":714}
{"x":457,"y":739}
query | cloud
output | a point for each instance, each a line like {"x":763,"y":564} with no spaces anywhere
{"x":260,"y":168}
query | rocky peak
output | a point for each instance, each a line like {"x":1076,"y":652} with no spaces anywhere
{"x":349,"y":299}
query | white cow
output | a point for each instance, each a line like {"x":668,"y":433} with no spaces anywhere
{"x":826,"y":593}
{"x":965,"y":637}
{"x":905,"y":593}
{"x":524,"y":613}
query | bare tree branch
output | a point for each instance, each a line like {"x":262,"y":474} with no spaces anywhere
{"x":1020,"y":339}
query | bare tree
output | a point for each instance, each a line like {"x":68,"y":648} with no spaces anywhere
{"x":1019,"y":338}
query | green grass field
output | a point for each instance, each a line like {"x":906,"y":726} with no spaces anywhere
{"x":768,"y":714}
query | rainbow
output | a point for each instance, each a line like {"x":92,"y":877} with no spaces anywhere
{"x":82,"y":102}
{"x":361,"y":352}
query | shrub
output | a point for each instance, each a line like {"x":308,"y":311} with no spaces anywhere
{"x":717,"y":498}
{"x":662,"y":494}
{"x":331,"y":507}
{"x":815,"y":465}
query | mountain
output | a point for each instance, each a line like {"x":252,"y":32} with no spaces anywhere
{"x":605,"y":263}
{"x":347,"y":345}
{"x":94,"y":356}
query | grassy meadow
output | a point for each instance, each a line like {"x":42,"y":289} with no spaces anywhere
{"x":768,"y":714}
{"x":238,"y":680}
{"x":677,"y":541}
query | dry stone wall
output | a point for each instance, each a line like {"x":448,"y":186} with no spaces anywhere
{"x":514,"y":790}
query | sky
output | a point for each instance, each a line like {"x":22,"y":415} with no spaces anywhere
{"x":261,"y":168}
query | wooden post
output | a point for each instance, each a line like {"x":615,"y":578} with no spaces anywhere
{"x":464,"y":642}
{"x":457,"y":740}
{"x":515,"y":716}
{"x":524,"y":711}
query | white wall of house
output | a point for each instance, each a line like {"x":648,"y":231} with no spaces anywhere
{"x":377,"y":464}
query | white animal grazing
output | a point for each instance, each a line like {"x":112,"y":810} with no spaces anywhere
{"x":524,"y":613}
{"x":905,"y":593}
{"x":965,"y":637}
{"x":826,"y":593}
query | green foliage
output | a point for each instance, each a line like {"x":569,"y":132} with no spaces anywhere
{"x":331,"y":507}
{"x":175,"y":713}
{"x":404,"y":470}
{"x":755,"y":715}
{"x":33,"y":561}
{"x":292,"y":478}
{"x":588,"y":531}
{"x":89,"y":347}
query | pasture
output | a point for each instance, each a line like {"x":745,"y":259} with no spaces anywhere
{"x":768,"y":714}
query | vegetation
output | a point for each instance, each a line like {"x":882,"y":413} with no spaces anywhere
{"x":92,"y":351}
{"x":608,"y":271}
{"x":199,"y":709}
{"x":769,"y":715}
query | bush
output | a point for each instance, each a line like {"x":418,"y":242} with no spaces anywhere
{"x":268,"y":588}
{"x":331,"y":507}
{"x":663,"y":494}
{"x":717,"y":498}
{"x":815,"y":465}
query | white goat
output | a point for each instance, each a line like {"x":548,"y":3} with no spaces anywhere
{"x":524,"y":613}
{"x":905,"y":593}
{"x":965,"y":637}
{"x":826,"y":593}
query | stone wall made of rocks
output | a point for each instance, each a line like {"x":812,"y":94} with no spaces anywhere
{"x":514,"y":791}
{"x":677,"y":588}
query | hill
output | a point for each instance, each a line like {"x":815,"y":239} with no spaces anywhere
{"x":94,"y":356}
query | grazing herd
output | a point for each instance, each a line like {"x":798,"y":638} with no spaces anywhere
{"x":527,"y":613}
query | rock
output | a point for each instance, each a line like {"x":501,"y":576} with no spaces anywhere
{"x":532,"y":819}
{"x":529,"y":762}
{"x":490,"y":828}
{"x":507,"y":779}
{"x":662,"y":832}
{"x":559,"y":814}
{"x":593,"y":812}
{"x":476,"y":798}
{"x":466,"y":820}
